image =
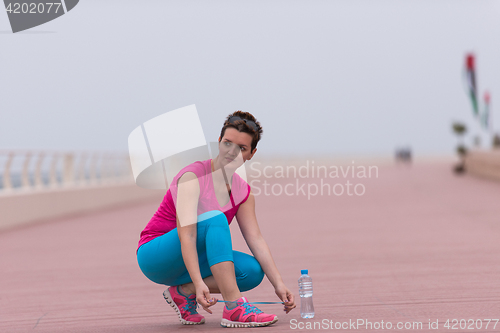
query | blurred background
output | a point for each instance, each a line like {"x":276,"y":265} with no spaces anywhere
{"x":323,"y":77}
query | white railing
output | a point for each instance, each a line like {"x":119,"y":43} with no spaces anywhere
{"x":28,"y":170}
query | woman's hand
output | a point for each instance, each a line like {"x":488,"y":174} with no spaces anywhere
{"x":203,"y":297}
{"x":286,"y":296}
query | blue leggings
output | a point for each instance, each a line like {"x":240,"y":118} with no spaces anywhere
{"x":161,"y":258}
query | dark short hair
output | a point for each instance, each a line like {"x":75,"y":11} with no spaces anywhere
{"x":242,"y":126}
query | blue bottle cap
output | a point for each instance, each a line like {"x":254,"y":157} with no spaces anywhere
{"x":304,"y":271}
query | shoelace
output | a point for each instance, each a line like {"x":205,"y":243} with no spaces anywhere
{"x":249,"y":308}
{"x":253,"y":302}
{"x":191,"y":305}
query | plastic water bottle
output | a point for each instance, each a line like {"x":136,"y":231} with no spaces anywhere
{"x":306,"y":293}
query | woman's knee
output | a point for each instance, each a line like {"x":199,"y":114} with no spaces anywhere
{"x":249,"y":273}
{"x":256,"y":273}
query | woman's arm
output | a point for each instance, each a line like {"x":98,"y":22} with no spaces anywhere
{"x":187,"y":208}
{"x":250,"y":230}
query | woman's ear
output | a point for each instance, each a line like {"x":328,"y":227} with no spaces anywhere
{"x":253,"y":153}
{"x":219,"y":139}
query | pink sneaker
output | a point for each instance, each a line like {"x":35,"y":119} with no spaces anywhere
{"x":184,"y":306}
{"x":246,"y":315}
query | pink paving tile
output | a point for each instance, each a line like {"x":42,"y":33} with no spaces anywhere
{"x":421,"y":244}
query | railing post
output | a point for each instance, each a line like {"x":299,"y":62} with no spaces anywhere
{"x":128,"y":169}
{"x":68,"y":169}
{"x":111,"y":163}
{"x":104,"y":168}
{"x":38,"y":171}
{"x":53,"y":171}
{"x":93,"y":168}
{"x":7,"y":180}
{"x":81,"y":169}
{"x":25,"y":179}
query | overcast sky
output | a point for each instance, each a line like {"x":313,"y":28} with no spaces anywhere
{"x":323,"y":77}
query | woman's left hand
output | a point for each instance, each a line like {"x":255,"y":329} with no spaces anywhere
{"x":286,"y":296}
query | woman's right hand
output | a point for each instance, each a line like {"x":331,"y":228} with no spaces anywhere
{"x":203,"y":297}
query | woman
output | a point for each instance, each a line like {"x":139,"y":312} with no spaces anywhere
{"x":187,"y":243}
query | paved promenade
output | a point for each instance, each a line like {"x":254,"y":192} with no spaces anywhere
{"x":421,"y":244}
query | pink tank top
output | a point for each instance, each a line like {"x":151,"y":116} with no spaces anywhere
{"x":165,"y":220}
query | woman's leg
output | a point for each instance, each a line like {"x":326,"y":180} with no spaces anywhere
{"x":161,"y":260}
{"x":219,"y":252}
{"x":223,"y":273}
{"x":247,"y":270}
{"x":249,"y":273}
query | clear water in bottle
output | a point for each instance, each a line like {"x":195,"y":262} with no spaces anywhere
{"x":306,"y":293}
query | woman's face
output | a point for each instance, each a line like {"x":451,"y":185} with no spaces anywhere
{"x":234,"y":148}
